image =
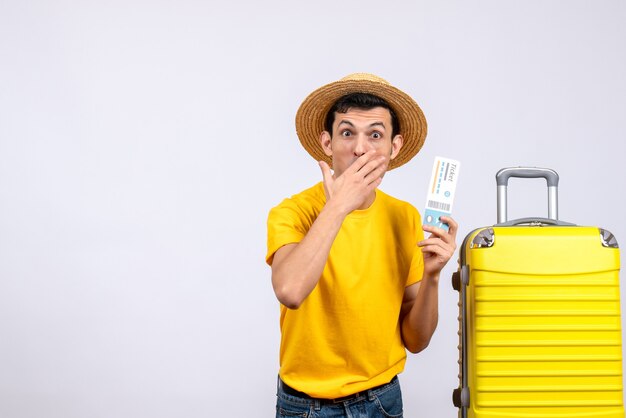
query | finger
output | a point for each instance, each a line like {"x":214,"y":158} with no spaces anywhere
{"x":430,"y":241}
{"x":327,"y":178}
{"x":452,"y":224}
{"x":327,"y":175}
{"x":374,"y":184}
{"x":437,"y":242}
{"x":371,"y":171}
{"x":448,"y":236}
{"x":372,"y":160}
{"x":379,"y":167}
{"x":435,"y":231}
{"x":436,"y":251}
{"x":360,"y":162}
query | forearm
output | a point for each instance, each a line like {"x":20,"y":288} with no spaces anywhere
{"x":419,"y":324}
{"x":296,"y":273}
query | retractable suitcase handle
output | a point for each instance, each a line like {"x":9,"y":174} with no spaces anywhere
{"x":552,"y":179}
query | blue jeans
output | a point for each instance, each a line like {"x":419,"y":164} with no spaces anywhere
{"x":384,"y":401}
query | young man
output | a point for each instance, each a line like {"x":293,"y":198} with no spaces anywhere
{"x":357,"y":281}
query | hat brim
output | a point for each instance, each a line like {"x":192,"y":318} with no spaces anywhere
{"x":312,"y":114}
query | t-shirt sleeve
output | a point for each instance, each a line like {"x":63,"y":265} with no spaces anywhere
{"x":416,"y":271}
{"x":284,"y":226}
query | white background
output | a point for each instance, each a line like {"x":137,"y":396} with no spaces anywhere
{"x":142,"y":144}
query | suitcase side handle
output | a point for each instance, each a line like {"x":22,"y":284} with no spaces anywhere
{"x":552,"y":179}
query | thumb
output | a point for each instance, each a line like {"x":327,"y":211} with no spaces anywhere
{"x":327,"y":176}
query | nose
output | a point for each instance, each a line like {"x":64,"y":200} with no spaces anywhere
{"x":361,"y":145}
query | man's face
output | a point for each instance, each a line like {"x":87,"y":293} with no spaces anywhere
{"x":358,"y":131}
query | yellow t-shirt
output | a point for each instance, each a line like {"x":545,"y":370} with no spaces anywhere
{"x":345,"y":337}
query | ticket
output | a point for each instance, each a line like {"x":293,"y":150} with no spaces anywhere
{"x":441,"y":191}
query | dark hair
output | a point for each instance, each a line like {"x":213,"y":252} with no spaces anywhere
{"x":364,"y":101}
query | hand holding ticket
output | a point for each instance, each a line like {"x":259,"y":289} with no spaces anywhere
{"x":441,"y":191}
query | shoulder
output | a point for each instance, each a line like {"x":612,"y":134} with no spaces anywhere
{"x":313,"y":196}
{"x":308,"y":198}
{"x":308,"y":202}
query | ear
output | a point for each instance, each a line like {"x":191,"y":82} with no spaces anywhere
{"x":325,"y":142}
{"x":396,"y":145}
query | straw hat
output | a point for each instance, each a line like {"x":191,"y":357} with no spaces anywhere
{"x":312,"y":113}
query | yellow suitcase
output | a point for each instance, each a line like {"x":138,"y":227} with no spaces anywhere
{"x":539,"y":316}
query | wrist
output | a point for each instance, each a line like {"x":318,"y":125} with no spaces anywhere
{"x":432,"y":278}
{"x":336,"y":208}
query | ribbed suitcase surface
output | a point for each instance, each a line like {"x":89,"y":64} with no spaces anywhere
{"x":544,"y":330}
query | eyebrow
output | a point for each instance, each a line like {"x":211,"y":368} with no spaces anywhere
{"x":371,"y":125}
{"x":378,"y":124}
{"x":346,"y":122}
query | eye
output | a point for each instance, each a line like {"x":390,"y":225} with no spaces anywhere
{"x":377,"y":135}
{"x":346,"y":133}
